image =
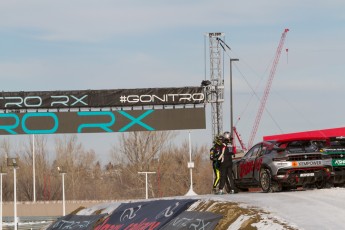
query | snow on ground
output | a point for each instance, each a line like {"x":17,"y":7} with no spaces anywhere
{"x":103,"y":208}
{"x":310,"y":209}
{"x":300,"y":209}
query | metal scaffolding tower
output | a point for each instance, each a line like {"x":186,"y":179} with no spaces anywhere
{"x":216,"y":89}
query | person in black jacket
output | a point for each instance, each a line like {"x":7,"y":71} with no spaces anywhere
{"x":226,"y":164}
{"x":215,"y":152}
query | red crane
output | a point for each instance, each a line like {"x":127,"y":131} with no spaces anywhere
{"x":239,"y":138}
{"x":267,"y":89}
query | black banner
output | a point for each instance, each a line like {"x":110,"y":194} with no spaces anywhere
{"x":144,"y":215}
{"x":194,"y":220}
{"x":102,"y":121}
{"x":75,"y":222}
{"x":101,"y":98}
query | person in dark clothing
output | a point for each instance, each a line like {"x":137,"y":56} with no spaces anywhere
{"x":215,"y":152}
{"x":226,"y":164}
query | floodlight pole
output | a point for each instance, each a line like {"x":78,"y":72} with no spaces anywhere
{"x":190,"y":166}
{"x":15,"y":196}
{"x":1,"y":173}
{"x":13,"y":163}
{"x":63,"y":172}
{"x":231,"y":109}
{"x":33,"y":168}
{"x":1,"y":201}
{"x":63,"y":195}
{"x":146,"y":182}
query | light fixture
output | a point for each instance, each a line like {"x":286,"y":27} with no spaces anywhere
{"x":205,"y":83}
{"x":63,"y":172}
{"x":12,"y":162}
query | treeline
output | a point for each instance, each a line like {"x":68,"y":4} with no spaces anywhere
{"x":87,"y":179}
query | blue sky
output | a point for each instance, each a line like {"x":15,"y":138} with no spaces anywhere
{"x":83,"y":44}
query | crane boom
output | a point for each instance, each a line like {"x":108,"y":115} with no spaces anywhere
{"x":267,"y":89}
{"x":239,"y":139}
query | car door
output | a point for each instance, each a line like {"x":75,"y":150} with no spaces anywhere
{"x":247,"y":163}
{"x":260,"y":155}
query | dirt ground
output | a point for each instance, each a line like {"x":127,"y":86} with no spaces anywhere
{"x":235,"y":216}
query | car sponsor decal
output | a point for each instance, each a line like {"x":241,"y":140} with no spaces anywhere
{"x":306,"y":174}
{"x":306,"y":163}
{"x":282,"y":164}
{"x":248,"y":166}
{"x":337,"y":150}
{"x":337,"y":162}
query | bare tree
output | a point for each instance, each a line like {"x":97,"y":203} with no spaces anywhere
{"x":138,"y":151}
{"x":174,"y":175}
{"x":140,"y":148}
{"x":87,"y":179}
{"x":5,"y":147}
{"x":42,"y":169}
{"x":154,"y":151}
{"x":8,"y":149}
{"x":79,"y":165}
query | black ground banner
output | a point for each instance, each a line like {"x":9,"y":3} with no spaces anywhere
{"x":101,"y":98}
{"x":144,"y":215}
{"x":75,"y":222}
{"x":193,"y":220}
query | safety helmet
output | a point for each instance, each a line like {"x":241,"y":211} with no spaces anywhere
{"x":218,"y":140}
{"x":227,"y":136}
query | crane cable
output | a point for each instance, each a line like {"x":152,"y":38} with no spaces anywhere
{"x":253,"y":94}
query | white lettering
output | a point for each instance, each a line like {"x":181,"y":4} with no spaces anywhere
{"x":161,"y":99}
{"x":31,"y":98}
{"x":198,"y":96}
{"x":309,"y":163}
{"x":339,"y":162}
{"x":79,"y":100}
{"x":133,"y":98}
{"x":185,"y":96}
{"x":18,"y":103}
{"x":149,"y":98}
{"x":65,"y":103}
{"x":173,"y":96}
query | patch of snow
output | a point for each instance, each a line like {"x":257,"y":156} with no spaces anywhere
{"x":269,"y":222}
{"x":106,"y":208}
{"x":237,"y":224}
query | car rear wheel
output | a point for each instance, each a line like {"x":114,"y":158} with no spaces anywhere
{"x":320,"y":184}
{"x":265,"y":180}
